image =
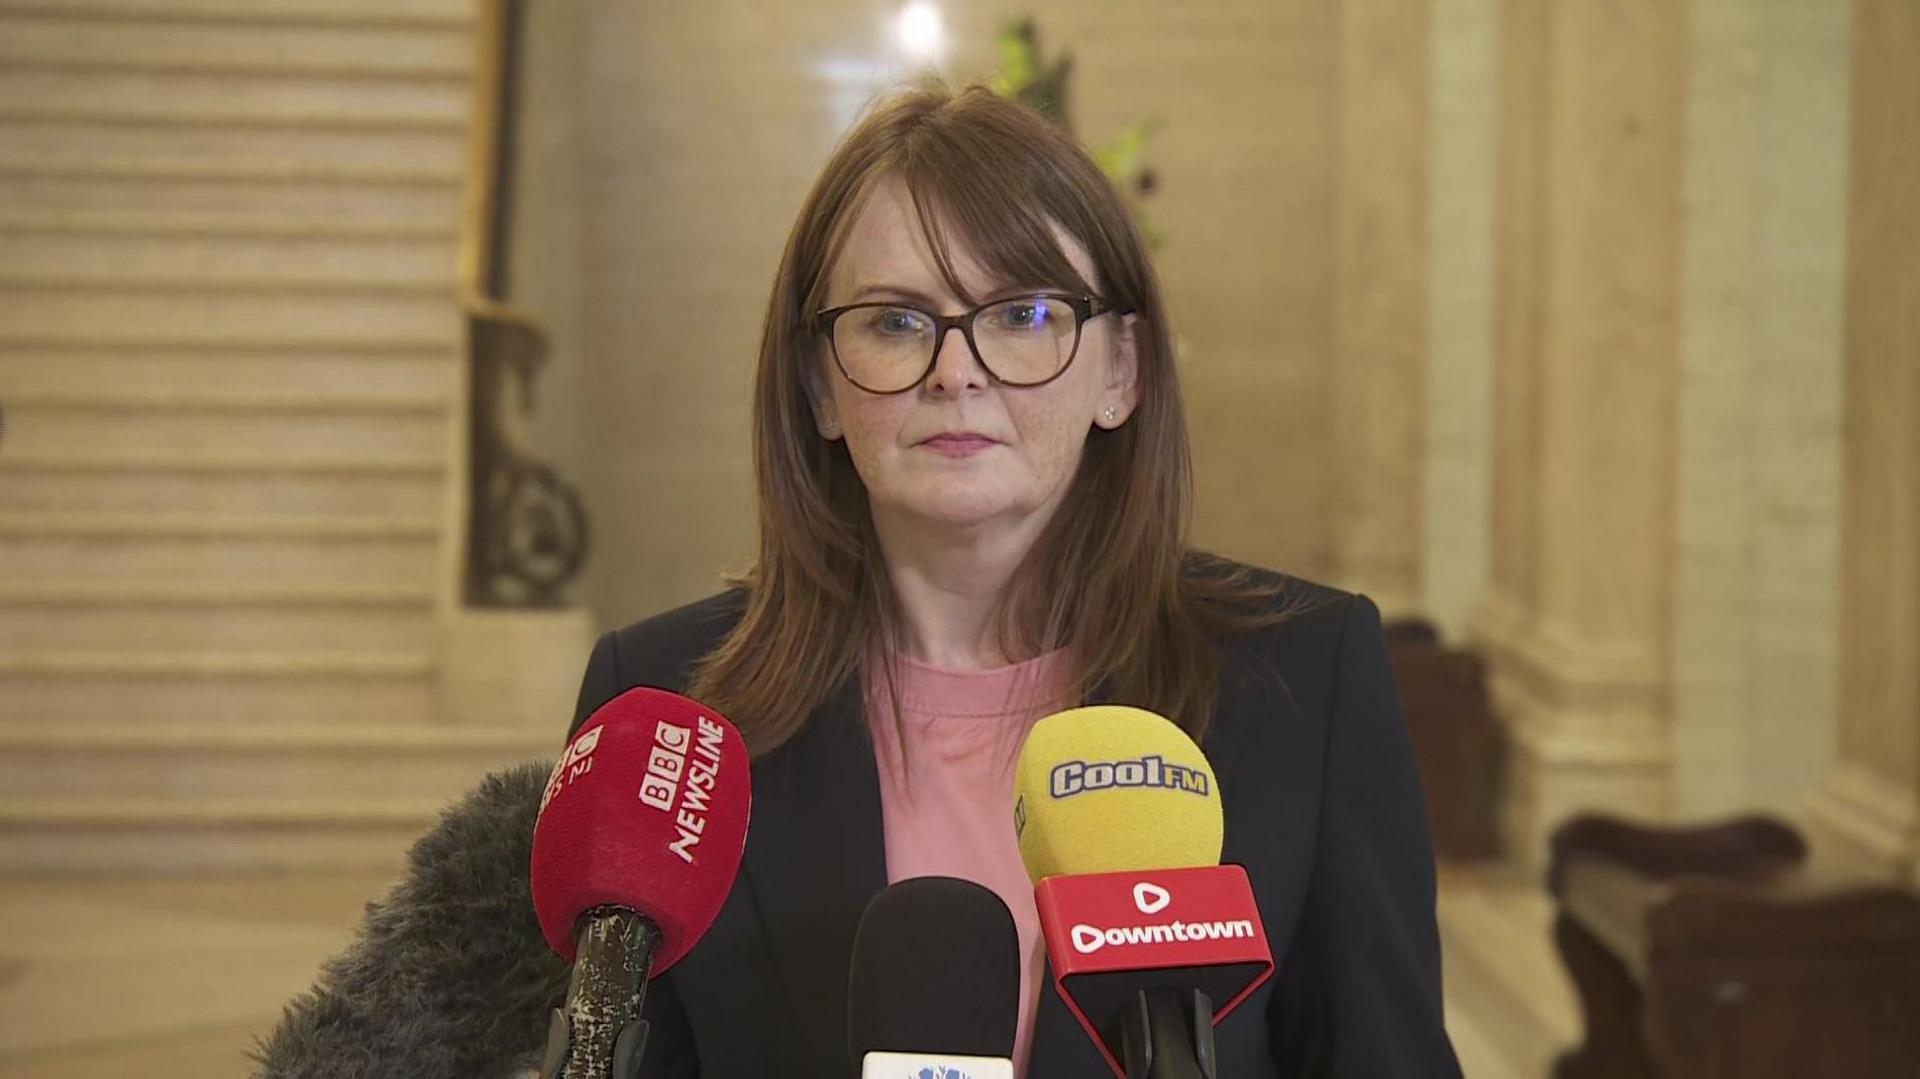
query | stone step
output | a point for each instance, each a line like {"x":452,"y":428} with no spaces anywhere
{"x":264,"y":767}
{"x":174,"y":838}
{"x":231,"y":263}
{"x":303,"y":12}
{"x":47,"y":430}
{"x":189,"y":99}
{"x":130,"y":548}
{"x":238,"y":381}
{"x":131,"y":43}
{"x":133,"y":794}
{"x":185,"y":837}
{"x":160,"y":485}
{"x":80,"y":689}
{"x":251,"y":461}
{"x":116,"y":524}
{"x":56,"y":148}
{"x":225,"y":207}
{"x":272,"y":617}
{"x":103,"y":319}
{"x":44,"y":431}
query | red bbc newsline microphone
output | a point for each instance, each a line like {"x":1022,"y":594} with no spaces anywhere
{"x":1151,"y":940}
{"x":638,"y":841}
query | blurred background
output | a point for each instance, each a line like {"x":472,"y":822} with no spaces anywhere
{"x":361,"y":359}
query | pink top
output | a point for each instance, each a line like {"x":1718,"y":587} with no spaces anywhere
{"x":949,"y":811}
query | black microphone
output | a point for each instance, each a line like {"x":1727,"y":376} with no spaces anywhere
{"x":935,"y":987}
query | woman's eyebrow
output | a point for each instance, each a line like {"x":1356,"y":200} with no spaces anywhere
{"x":893,"y":292}
{"x":1001,"y":291}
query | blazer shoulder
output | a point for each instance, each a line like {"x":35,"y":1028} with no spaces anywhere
{"x":1302,"y":646}
{"x":662,"y":650}
{"x":1291,"y":599}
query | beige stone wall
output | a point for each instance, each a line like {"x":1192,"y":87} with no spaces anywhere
{"x":1378,"y":363}
{"x":1457,"y":450}
{"x":1756,"y":584}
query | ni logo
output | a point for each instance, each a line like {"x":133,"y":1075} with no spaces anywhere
{"x":941,"y":1072}
{"x":1151,"y":898}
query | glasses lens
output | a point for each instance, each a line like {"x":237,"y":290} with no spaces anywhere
{"x":883,"y":349}
{"x":1028,"y":340}
{"x":886,"y":349}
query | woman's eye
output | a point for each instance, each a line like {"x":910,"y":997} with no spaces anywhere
{"x":898,"y":321}
{"x":1024,"y":315}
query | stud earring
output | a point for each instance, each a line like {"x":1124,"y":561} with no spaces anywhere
{"x":1111,"y":414}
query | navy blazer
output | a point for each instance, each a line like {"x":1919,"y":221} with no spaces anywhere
{"x":1323,"y":807}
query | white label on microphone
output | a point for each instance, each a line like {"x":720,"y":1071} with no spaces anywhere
{"x":577,"y":762}
{"x":1088,"y":939}
{"x":1150,"y":898}
{"x":933,"y":1066}
{"x":683,"y":768}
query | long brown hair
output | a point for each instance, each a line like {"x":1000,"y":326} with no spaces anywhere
{"x":1110,"y":579}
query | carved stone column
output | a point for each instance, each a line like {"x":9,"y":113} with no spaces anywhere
{"x":1578,"y":622}
{"x":1866,"y":812}
{"x":1380,"y":298}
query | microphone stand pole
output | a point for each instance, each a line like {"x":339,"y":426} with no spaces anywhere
{"x":615,"y":949}
{"x":1168,"y":1034}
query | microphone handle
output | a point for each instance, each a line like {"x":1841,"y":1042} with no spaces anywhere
{"x":1168,"y":1034}
{"x":599,"y":1033}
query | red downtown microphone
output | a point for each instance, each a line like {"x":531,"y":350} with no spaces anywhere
{"x":639,"y":838}
{"x":1152,"y":941}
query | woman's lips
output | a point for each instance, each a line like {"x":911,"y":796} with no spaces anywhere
{"x":958,"y":445}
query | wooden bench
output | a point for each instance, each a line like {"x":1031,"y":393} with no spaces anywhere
{"x":1460,"y":746}
{"x":1715,"y":952}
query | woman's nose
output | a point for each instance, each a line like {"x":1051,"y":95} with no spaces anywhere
{"x":955,"y":367}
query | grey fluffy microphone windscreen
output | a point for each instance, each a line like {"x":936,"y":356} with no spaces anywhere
{"x":448,"y":975}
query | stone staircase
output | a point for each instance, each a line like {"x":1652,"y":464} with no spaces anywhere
{"x":231,"y":364}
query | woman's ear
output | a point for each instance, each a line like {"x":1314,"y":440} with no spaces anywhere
{"x":820,"y":398}
{"x":1122,"y":392}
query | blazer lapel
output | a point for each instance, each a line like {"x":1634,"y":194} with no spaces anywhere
{"x":814,"y":857}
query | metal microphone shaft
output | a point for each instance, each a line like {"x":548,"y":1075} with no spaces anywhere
{"x":1168,"y":1034}
{"x":609,"y":983}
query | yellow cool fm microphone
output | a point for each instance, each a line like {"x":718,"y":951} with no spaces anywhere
{"x":1120,"y":826}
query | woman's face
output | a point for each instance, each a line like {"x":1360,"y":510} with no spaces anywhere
{"x":961,"y":449}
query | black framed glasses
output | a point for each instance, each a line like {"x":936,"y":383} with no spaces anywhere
{"x":1024,"y":340}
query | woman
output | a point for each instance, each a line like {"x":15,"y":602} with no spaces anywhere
{"x":962,"y":531}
